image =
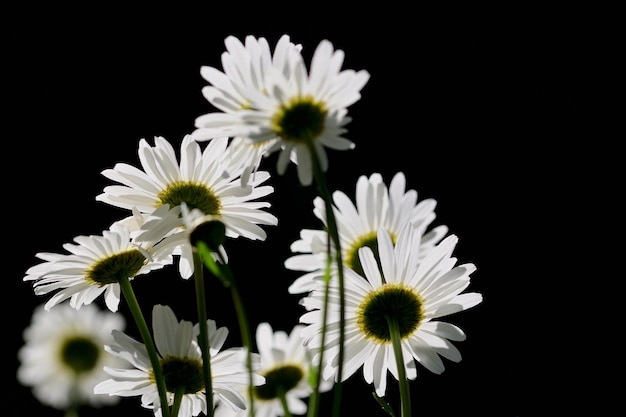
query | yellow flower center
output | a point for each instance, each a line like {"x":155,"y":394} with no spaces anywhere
{"x":120,"y":265}
{"x":300,"y":120}
{"x":393,"y":301}
{"x":195,"y":195}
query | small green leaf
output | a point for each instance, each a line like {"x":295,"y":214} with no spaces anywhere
{"x":386,"y":407}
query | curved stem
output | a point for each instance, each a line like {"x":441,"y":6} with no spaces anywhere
{"x":405,"y":397}
{"x":225,"y":275}
{"x":135,"y":310}
{"x":333,"y":233}
{"x":204,"y":332}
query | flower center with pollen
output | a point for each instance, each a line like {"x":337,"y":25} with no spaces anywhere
{"x":182,"y":373}
{"x":80,"y":354}
{"x":351,"y":259}
{"x":300,"y":120}
{"x":279,"y":380}
{"x":195,"y":195}
{"x":109,"y":270}
{"x":396,"y":302}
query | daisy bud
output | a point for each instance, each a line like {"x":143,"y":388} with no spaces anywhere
{"x":212,"y":233}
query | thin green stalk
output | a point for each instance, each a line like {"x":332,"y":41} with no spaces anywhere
{"x":178,"y":398}
{"x":333,"y":232}
{"x":74,"y":399}
{"x":204,"y":332}
{"x":133,"y":305}
{"x":225,"y":275}
{"x":314,"y":399}
{"x":283,"y":400}
{"x":405,"y":396}
{"x":246,"y":339}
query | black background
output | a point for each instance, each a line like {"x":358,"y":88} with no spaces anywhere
{"x":468,"y":103}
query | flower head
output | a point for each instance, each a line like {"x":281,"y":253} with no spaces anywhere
{"x":358,"y":223}
{"x":397,"y":285}
{"x":181,"y":359}
{"x":93,"y":266}
{"x":246,"y":66}
{"x":286,"y":365}
{"x":200,"y":180}
{"x":63,"y":355}
{"x":297,"y":111}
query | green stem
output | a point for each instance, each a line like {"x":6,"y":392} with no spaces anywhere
{"x":246,"y":339}
{"x":74,"y":399}
{"x":333,"y":232}
{"x":178,"y":398}
{"x":224,"y":273}
{"x":315,"y":395}
{"x":405,"y":397}
{"x":133,"y":305}
{"x":204,"y":332}
{"x":283,"y":400}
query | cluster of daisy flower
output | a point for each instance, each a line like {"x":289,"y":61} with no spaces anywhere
{"x":376,"y":277}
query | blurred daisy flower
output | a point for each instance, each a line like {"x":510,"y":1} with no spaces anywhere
{"x":399,"y":285}
{"x":358,"y":223}
{"x":286,"y":365}
{"x":181,"y":360}
{"x":93,"y":266}
{"x":63,"y":355}
{"x":199,"y":180}
{"x":305,"y":110}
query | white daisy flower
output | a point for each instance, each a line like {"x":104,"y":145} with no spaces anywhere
{"x":63,"y":355}
{"x":375,"y":206}
{"x":245,"y":66}
{"x":286,"y":365}
{"x":181,"y":359}
{"x":411,"y":290}
{"x":199,"y":180}
{"x":94,"y":266}
{"x":301,"y":108}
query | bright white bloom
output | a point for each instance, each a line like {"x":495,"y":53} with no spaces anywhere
{"x":358,"y":224}
{"x":286,"y":365}
{"x":94,"y":266}
{"x":304,"y":109}
{"x":245,"y":66}
{"x":180,"y":356}
{"x":411,"y":290}
{"x":63,"y":355}
{"x":200,"y":180}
